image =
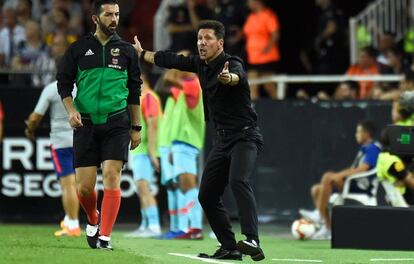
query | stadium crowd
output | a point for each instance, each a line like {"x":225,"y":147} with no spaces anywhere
{"x":35,"y":33}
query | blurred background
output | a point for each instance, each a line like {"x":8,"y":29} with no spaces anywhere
{"x":334,"y":63}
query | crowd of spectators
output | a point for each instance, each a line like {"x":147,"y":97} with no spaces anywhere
{"x":31,"y":32}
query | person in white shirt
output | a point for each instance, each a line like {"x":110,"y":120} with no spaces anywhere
{"x":61,"y":139}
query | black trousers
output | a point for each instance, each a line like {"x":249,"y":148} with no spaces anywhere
{"x":231,"y":161}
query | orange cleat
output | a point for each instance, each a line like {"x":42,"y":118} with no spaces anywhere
{"x":76,"y":232}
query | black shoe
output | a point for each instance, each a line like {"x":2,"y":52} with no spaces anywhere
{"x":104,"y":245}
{"x":92,"y":233}
{"x":251,"y":248}
{"x":222,"y":253}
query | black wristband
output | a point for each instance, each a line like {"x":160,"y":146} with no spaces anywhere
{"x":136,"y":128}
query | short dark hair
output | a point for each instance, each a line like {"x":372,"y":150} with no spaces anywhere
{"x":97,"y":4}
{"x":368,"y":126}
{"x":215,"y":25}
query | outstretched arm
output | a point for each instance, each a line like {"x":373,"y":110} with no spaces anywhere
{"x":166,"y":59}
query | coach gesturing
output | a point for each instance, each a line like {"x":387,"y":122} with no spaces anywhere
{"x":227,"y":104}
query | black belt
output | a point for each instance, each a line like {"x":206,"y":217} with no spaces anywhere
{"x":111,"y":114}
{"x":227,"y":132}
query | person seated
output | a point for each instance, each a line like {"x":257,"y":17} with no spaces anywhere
{"x":396,"y":170}
{"x":365,"y":160}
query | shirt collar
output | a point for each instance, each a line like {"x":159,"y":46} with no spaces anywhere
{"x":114,"y":36}
{"x":217,"y":61}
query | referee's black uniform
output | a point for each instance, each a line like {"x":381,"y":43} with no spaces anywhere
{"x":237,"y":144}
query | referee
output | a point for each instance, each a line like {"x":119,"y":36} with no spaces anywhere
{"x":227,"y":104}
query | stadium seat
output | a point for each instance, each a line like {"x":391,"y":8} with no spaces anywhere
{"x":368,"y":197}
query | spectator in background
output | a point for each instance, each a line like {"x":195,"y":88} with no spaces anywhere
{"x":399,"y":115}
{"x":385,"y":43}
{"x":24,"y":11}
{"x":347,"y":90}
{"x":366,"y":65}
{"x":365,"y":160}
{"x":59,"y":23}
{"x":262,"y":32}
{"x":393,"y":56}
{"x":330,"y":40}
{"x":11,"y":35}
{"x":390,"y":90}
{"x":75,"y":14}
{"x":46,"y":64}
{"x":326,"y":52}
{"x":182,"y":24}
{"x":233,"y":15}
{"x":29,"y":49}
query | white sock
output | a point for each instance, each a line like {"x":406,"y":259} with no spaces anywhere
{"x":72,"y":223}
{"x":66,"y":220}
{"x":155,"y":228}
{"x":105,"y":238}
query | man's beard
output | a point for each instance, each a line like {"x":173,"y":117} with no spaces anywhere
{"x":105,"y":29}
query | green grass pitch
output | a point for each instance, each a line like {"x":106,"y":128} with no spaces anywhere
{"x":36,"y":244}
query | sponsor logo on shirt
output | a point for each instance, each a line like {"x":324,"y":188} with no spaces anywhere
{"x":115,"y":52}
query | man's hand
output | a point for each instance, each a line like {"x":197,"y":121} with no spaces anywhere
{"x":135,"y":138}
{"x":224,"y":76}
{"x":75,"y":119}
{"x":137,"y":46}
{"x":29,"y":133}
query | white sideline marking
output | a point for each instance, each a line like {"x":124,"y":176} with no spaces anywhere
{"x":201,"y":259}
{"x":299,"y":260}
{"x":394,"y":259}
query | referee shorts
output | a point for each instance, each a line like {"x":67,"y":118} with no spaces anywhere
{"x":93,"y":144}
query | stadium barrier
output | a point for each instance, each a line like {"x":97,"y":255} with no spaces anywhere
{"x":283,"y":80}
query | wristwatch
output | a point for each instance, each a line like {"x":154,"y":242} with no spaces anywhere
{"x":136,"y":128}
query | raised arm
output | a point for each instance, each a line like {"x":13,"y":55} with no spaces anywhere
{"x":166,"y":59}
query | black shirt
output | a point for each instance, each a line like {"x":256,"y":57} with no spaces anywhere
{"x":228,"y":107}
